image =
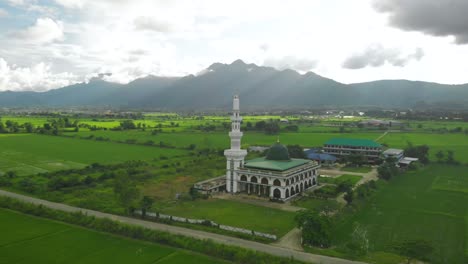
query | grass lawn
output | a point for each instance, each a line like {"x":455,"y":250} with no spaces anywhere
{"x":237,"y":214}
{"x":28,"y":239}
{"x":30,"y":153}
{"x":408,"y":207}
{"x":345,"y":177}
{"x":314,"y":203}
{"x":362,"y":169}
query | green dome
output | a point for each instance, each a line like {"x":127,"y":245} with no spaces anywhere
{"x":278,"y":152}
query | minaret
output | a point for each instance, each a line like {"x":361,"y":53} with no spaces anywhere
{"x":235,"y":155}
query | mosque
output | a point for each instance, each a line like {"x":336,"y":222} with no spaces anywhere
{"x":275,"y":176}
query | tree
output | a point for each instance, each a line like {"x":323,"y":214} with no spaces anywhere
{"x":387,"y":170}
{"x":357,"y":159}
{"x":316,"y":228}
{"x":344,"y":186}
{"x":421,"y":152}
{"x":348,"y":196}
{"x":10,"y":174}
{"x":127,"y":124}
{"x":440,"y":155}
{"x":450,"y":157}
{"x":296,"y":151}
{"x":125,"y":190}
{"x":272,"y":128}
{"x":29,"y":127}
{"x":414,"y":249}
{"x":145,"y":204}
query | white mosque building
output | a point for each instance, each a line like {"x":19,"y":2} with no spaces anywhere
{"x":275,"y":176}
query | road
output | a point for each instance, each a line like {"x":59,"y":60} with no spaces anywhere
{"x":227,"y":240}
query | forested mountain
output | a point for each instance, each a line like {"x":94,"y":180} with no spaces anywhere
{"x":259,"y":88}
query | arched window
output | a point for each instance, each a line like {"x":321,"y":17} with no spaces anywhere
{"x":297,"y":188}
{"x":314,"y":182}
{"x":292,"y":191}
{"x":243,"y":178}
{"x":287,"y":193}
{"x":302,"y":187}
{"x":265,"y":181}
{"x":253,"y":179}
{"x":276,"y":182}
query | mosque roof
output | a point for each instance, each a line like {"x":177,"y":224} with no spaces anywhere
{"x":275,"y":165}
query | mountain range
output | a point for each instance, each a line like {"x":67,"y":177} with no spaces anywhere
{"x":260,"y":88}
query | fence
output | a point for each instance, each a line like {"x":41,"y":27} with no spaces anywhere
{"x":204,"y":222}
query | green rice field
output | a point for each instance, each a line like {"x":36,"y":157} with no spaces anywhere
{"x":31,"y":153}
{"x":421,"y":204}
{"x":28,"y":239}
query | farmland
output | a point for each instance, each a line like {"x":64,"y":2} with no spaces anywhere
{"x":412,"y":206}
{"x":47,"y":241}
{"x":30,"y":154}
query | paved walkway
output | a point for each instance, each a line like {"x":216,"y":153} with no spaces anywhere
{"x":371,"y":175}
{"x":227,"y":240}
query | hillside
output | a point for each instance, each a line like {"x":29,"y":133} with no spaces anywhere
{"x":259,"y":88}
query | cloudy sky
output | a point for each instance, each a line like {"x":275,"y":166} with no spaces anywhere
{"x":46,"y":44}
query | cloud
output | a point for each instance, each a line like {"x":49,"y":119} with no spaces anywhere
{"x":38,"y":77}
{"x":432,"y":17}
{"x":377,"y":55}
{"x":3,"y":13}
{"x":291,"y":62}
{"x":149,"y":23}
{"x":43,"y":31}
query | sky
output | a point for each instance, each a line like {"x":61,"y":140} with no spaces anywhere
{"x":47,"y":44}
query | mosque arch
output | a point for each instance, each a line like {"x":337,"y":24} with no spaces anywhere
{"x":287,"y":193}
{"x":264,"y":181}
{"x":292,"y":191}
{"x":314,"y":181}
{"x":253,"y":179}
{"x":302,"y":187}
{"x":297,"y":188}
{"x":276,"y":182}
{"x":243,"y":178}
{"x":287,"y":182}
{"x":277,"y":193}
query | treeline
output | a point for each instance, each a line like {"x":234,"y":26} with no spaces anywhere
{"x":208,"y":247}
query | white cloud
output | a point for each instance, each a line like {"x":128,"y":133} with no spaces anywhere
{"x":291,"y":62}
{"x":38,"y":77}
{"x":3,"y":13}
{"x":43,"y":31}
{"x":377,"y":55}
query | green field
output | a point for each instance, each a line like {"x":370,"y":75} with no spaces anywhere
{"x":409,"y":207}
{"x":343,"y":178}
{"x":237,"y":214}
{"x":27,"y":239}
{"x":456,"y":142}
{"x":362,"y":169}
{"x":221,"y":139}
{"x":30,"y":153}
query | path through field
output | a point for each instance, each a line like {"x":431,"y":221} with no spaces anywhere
{"x":270,"y":249}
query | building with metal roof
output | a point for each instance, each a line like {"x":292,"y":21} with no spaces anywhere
{"x":342,"y":147}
